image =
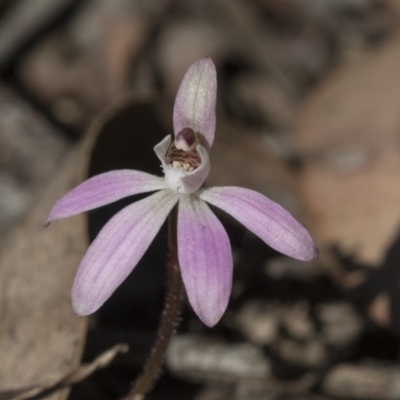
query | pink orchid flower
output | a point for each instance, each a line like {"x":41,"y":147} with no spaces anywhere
{"x":204,"y":250}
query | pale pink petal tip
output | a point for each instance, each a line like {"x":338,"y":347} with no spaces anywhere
{"x":117,"y":249}
{"x":265,"y":218}
{"x":196,"y":98}
{"x":104,"y":189}
{"x":205,"y":258}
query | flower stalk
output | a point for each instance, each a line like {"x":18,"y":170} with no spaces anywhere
{"x":169,"y":320}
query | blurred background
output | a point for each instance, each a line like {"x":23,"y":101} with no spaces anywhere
{"x":308,"y":113}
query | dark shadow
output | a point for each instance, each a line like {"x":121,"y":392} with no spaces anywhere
{"x":385,"y":279}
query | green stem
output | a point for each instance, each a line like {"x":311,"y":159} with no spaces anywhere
{"x":169,"y":319}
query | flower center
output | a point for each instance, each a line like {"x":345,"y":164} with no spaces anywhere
{"x":182,"y":152}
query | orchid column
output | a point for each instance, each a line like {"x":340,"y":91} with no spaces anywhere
{"x":200,"y":244}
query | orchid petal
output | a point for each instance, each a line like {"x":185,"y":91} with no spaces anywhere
{"x":117,"y":249}
{"x":267,"y":219}
{"x":192,"y":181}
{"x":195,"y":102}
{"x":104,"y":189}
{"x":161,"y":150}
{"x":205,"y":258}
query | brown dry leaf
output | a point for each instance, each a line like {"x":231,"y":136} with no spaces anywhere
{"x":40,"y":336}
{"x":348,"y":137}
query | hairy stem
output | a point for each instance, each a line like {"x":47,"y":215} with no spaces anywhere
{"x":169,"y":319}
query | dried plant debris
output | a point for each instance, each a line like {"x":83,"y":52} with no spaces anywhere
{"x":262,"y":322}
{"x":340,"y":324}
{"x":30,"y":151}
{"x":363,"y":381}
{"x":202,"y":358}
{"x":40,"y":336}
{"x":24,"y":20}
{"x":14,"y":200}
{"x":71,"y":378}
